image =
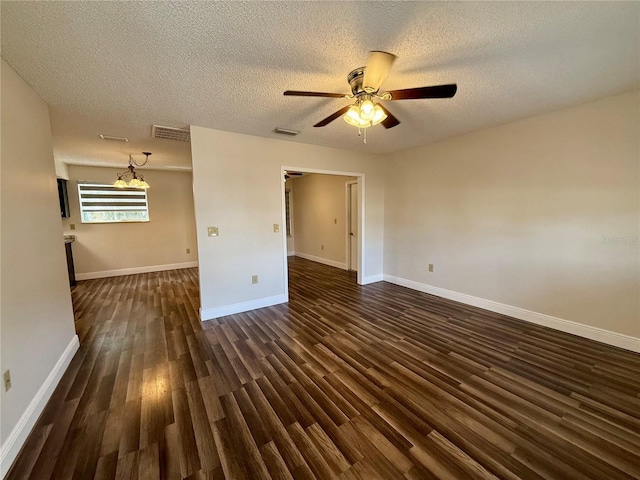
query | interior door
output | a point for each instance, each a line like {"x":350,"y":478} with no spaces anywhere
{"x":353,"y":226}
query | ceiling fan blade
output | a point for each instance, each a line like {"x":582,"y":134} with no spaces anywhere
{"x":378,"y":67}
{"x":390,"y":121}
{"x":437,"y":91}
{"x":298,"y":93}
{"x":332,"y":117}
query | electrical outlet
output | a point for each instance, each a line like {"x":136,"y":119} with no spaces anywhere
{"x":276,"y":228}
{"x":431,"y":267}
{"x":7,"y":380}
{"x":254,"y":279}
{"x":335,"y":221}
{"x":72,"y":226}
{"x":188,"y":250}
{"x":212,"y":231}
{"x":321,"y":247}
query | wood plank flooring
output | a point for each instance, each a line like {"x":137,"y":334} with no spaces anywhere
{"x":347,"y":382}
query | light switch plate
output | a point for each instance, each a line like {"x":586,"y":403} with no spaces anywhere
{"x":212,"y":231}
{"x":72,"y":226}
{"x":276,"y":227}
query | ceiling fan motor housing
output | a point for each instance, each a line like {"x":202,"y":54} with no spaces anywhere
{"x":355,"y":78}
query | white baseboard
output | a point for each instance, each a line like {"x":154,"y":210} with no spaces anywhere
{"x":11,"y":447}
{"x":290,"y":254}
{"x":325,"y":261}
{"x":372,"y":279}
{"x":211,"y":313}
{"x":134,"y":270}
{"x":593,"y":333}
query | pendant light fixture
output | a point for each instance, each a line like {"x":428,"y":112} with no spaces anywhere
{"x":137,"y":180}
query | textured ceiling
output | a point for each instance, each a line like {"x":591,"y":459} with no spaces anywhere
{"x":119,"y":67}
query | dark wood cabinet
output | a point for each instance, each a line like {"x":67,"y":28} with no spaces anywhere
{"x":70,"y":268}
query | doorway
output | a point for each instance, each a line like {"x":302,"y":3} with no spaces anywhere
{"x":353,"y":218}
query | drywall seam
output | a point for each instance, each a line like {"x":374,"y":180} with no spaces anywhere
{"x":134,"y":270}
{"x":212,"y":313}
{"x":586,"y":331}
{"x":18,"y":436}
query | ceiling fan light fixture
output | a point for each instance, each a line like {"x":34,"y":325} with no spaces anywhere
{"x":366,"y":109}
{"x":354,"y":115}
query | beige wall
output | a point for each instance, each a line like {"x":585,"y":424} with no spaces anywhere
{"x":238,"y":187}
{"x":36,"y":316}
{"x":163,"y":240}
{"x":524,"y":214}
{"x":320,"y":218}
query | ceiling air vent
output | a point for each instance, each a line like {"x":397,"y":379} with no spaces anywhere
{"x":284,"y":131}
{"x":115,"y":139}
{"x":171,"y":133}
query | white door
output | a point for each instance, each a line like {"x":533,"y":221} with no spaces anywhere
{"x":353,"y":226}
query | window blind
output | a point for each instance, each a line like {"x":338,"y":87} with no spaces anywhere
{"x":100,"y":203}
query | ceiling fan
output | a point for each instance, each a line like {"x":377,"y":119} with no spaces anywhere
{"x":365,"y":85}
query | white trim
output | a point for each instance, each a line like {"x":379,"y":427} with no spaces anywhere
{"x":217,"y":312}
{"x":11,"y":447}
{"x":326,"y":261}
{"x":362,"y":267}
{"x":134,"y":270}
{"x":291,"y":253}
{"x":347,"y":188}
{"x":593,"y":333}
{"x":372,"y":279}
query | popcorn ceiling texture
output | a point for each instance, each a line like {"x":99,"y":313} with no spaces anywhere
{"x":119,"y":67}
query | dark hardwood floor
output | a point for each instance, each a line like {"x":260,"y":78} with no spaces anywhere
{"x":349,"y":382}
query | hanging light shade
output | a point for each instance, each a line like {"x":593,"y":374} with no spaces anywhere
{"x":120,"y":183}
{"x":137,"y":181}
{"x":366,"y":110}
{"x":379,"y":115}
{"x":352,"y":117}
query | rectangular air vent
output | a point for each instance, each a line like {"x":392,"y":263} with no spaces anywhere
{"x":171,"y":133}
{"x":284,"y":131}
{"x":113,"y":138}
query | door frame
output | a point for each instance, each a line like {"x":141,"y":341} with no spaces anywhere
{"x":347,"y":187}
{"x":360,"y":180}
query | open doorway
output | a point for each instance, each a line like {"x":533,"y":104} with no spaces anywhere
{"x":323,"y":226}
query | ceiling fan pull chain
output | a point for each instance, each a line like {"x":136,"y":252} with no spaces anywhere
{"x":365,"y":135}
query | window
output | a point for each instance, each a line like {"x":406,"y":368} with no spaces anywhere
{"x":101,"y":203}
{"x":287,"y":210}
